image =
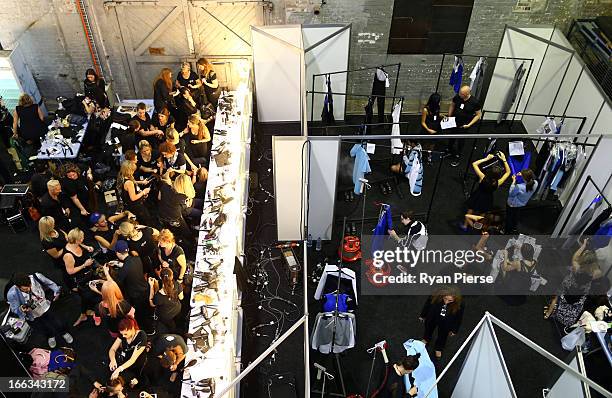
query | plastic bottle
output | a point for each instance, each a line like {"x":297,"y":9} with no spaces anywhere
{"x":309,"y":241}
{"x":318,"y":245}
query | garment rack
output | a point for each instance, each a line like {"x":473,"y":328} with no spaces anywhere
{"x":584,"y":185}
{"x":399,"y":66}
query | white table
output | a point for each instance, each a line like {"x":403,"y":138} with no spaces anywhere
{"x":56,"y":147}
{"x":222,"y":361}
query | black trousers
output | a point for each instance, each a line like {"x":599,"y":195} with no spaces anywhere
{"x":378,"y":88}
{"x":443,"y":331}
{"x":48,"y":324}
{"x":141,"y":212}
{"x":179,"y":228}
{"x":513,"y":215}
{"x":456,"y":145}
{"x":144,"y":313}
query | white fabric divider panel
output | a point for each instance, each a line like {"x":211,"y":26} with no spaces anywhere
{"x":329,"y":56}
{"x":517,"y":45}
{"x":482,"y":373}
{"x":567,"y":385}
{"x":323,"y":170}
{"x":290,"y":166}
{"x":279,"y":72}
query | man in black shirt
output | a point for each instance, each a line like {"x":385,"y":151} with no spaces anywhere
{"x":56,"y":205}
{"x":467,"y":111}
{"x":410,"y":232}
{"x":130,"y":278}
{"x":75,"y":187}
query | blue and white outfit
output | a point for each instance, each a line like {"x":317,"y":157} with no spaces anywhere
{"x":425,"y":374}
{"x":413,"y":170}
{"x":361,"y":166}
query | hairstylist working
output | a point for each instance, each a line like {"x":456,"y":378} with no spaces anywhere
{"x":518,"y":196}
{"x":395,"y":387}
{"x":467,"y":111}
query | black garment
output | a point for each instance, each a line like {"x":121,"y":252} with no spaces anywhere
{"x":97,"y":92}
{"x":191,"y":80}
{"x":151,"y":164}
{"x":131,"y":279}
{"x":146,"y":249}
{"x":481,"y":200}
{"x":80,"y":280}
{"x":394,"y":387}
{"x":171,"y":203}
{"x":136,"y":206}
{"x":76,"y":187}
{"x":465,"y":110}
{"x":112,"y":324}
{"x":369,"y":112}
{"x":594,"y":226}
{"x":144,"y":124}
{"x":513,"y":215}
{"x":57,"y":243}
{"x":200,"y":189}
{"x":38,"y":184}
{"x":108,"y":235}
{"x":125,"y":351}
{"x":184,"y":110}
{"x":31,"y":128}
{"x":48,"y":324}
{"x":161,"y":96}
{"x":212,"y":94}
{"x":178,"y":162}
{"x":55,"y":208}
{"x":172,"y":259}
{"x":155,"y":122}
{"x":327,"y":114}
{"x":199,"y":151}
{"x":438,"y":315}
{"x":166,"y":308}
{"x":128,"y":141}
{"x":166,"y":341}
{"x":379,"y":88}
{"x":432,"y":120}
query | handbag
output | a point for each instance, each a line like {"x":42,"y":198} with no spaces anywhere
{"x":571,"y":340}
{"x":567,"y":313}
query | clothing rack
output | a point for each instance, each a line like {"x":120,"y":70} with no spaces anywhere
{"x":588,"y":180}
{"x":514,"y":114}
{"x":399,"y":66}
{"x":526,"y":78}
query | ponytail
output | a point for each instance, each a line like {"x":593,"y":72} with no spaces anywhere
{"x":528,"y":176}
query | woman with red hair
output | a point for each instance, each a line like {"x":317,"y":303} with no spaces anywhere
{"x":113,"y":307}
{"x":162,"y":90}
{"x":127,"y":354}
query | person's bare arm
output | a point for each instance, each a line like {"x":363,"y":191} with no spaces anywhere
{"x":451,"y":109}
{"x":475,"y":119}
{"x":40,"y":114}
{"x":476,"y":166}
{"x":507,"y":170}
{"x":15,"y":123}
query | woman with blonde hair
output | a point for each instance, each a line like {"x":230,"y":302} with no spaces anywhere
{"x":28,"y":125}
{"x":162,"y":89}
{"x":132,"y":196}
{"x":193,"y":206}
{"x":197,"y":140}
{"x":171,"y":255}
{"x":187,"y":78}
{"x":200,"y":180}
{"x":209,"y":80}
{"x":113,"y":307}
{"x":142,"y":242}
{"x":78,"y":266}
{"x":146,"y":161}
{"x":52,"y":240}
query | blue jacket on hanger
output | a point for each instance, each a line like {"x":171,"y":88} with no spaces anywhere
{"x":361,"y":166}
{"x":385,"y":223}
{"x":457,"y":74}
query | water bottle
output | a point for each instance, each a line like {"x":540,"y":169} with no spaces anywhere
{"x":309,"y":241}
{"x":318,"y":244}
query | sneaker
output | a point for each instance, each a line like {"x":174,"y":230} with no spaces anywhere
{"x":52,"y":342}
{"x":68,"y":338}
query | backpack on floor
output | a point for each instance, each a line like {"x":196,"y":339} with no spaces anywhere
{"x":62,"y":360}
{"x":40,"y":362}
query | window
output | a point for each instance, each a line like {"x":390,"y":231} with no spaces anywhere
{"x":429,"y":26}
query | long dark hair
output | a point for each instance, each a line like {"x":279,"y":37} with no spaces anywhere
{"x":167,"y":278}
{"x":438,"y":297}
{"x":529,"y":178}
{"x":92,"y":72}
{"x":492,"y":176}
{"x":433,"y":104}
{"x":411,"y":362}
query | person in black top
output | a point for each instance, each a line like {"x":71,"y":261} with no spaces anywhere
{"x":78,"y":266}
{"x":52,"y":240}
{"x":162,"y":90}
{"x":38,"y":182}
{"x":444,"y":311}
{"x":129,"y":138}
{"x":28,"y":125}
{"x":185,"y":107}
{"x":166,"y":299}
{"x":105,"y":230}
{"x":161,"y":122}
{"x":172,"y":255}
{"x":430,"y":116}
{"x":94,"y":87}
{"x":171,"y":205}
{"x":132,"y":195}
{"x":75,"y":186}
{"x":209,"y":81}
{"x":131,"y":280}
{"x":171,"y":351}
{"x":141,"y":241}
{"x":127,"y":354}
{"x":409,"y":228}
{"x":188,"y":79}
{"x":146,"y":161}
{"x":197,"y":139}
{"x":200,"y":179}
{"x":467,"y":111}
{"x":172,"y":161}
{"x":395,"y":386}
{"x":113,"y":307}
{"x":56,"y":205}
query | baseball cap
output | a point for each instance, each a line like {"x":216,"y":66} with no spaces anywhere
{"x":94,"y":218}
{"x":121,"y":246}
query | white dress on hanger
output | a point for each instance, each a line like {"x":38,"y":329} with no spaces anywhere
{"x":396,"y":143}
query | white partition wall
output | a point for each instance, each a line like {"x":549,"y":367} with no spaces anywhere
{"x":278,"y":59}
{"x":323,"y":171}
{"x":517,"y":45}
{"x":290,"y":163}
{"x":328,"y":56}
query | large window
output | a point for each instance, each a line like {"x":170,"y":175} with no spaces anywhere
{"x":429,"y":26}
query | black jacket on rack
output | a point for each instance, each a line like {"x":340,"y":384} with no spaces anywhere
{"x":327,"y":114}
